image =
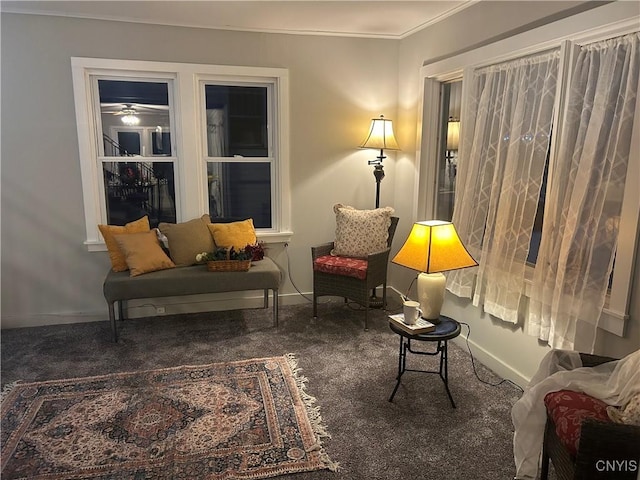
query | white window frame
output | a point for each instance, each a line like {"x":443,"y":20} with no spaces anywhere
{"x":598,"y":24}
{"x":187,"y":141}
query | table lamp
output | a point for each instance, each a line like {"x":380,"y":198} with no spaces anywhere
{"x":433,"y":247}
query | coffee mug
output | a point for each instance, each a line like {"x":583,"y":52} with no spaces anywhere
{"x":412,"y":312}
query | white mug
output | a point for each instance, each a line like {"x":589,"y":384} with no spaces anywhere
{"x":412,"y":312}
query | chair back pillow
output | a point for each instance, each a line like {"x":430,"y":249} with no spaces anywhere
{"x":361,"y":232}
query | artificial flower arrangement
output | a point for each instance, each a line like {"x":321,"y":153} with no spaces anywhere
{"x":231,"y":259}
{"x":221,"y":254}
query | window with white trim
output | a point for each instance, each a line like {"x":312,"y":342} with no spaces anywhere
{"x":174,"y":141}
{"x":615,"y":311}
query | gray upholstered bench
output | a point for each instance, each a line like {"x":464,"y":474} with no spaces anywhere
{"x":119,"y":286}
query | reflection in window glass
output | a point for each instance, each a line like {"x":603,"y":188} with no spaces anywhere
{"x":448,"y":156}
{"x":240,"y":190}
{"x":137,"y":109}
{"x":136,"y":189}
{"x":236,"y":121}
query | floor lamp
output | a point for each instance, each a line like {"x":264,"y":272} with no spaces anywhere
{"x":381,"y":138}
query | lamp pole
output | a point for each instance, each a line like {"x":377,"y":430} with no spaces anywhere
{"x":378,"y":173}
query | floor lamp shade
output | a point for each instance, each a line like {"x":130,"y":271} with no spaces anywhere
{"x":381,"y":135}
{"x":433,"y":247}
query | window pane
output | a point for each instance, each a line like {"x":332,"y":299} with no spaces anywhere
{"x":238,"y":191}
{"x":536,"y":235}
{"x":129,"y":143}
{"x":448,"y":157}
{"x":236,"y":121}
{"x":133,"y":114}
{"x":135,"y":189}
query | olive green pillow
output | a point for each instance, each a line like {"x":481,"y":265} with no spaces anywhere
{"x":187,"y":239}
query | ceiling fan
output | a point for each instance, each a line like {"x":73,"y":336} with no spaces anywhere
{"x":129,"y":115}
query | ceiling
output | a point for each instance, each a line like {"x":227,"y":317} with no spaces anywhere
{"x":358,"y":18}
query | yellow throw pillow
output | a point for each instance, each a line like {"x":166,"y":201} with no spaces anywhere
{"x":187,"y":239}
{"x":235,"y":234}
{"x":143,"y":253}
{"x":118,"y":262}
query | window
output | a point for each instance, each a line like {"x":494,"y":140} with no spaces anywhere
{"x":438,"y":75}
{"x":240,"y":155}
{"x":172,"y":141}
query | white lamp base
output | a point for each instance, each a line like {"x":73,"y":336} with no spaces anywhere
{"x":431,"y":295}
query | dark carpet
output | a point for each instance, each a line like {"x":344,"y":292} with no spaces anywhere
{"x":350,"y":371}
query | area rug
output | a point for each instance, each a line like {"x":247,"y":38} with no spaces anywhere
{"x":240,"y":420}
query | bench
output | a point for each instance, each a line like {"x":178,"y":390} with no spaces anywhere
{"x":119,"y":287}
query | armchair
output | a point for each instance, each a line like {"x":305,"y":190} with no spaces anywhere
{"x":351,"y":278}
{"x":606,"y":450}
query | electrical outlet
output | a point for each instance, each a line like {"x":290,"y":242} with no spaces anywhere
{"x":160,"y":310}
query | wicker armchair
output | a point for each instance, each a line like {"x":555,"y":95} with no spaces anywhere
{"x":600,"y":442}
{"x":352,"y":288}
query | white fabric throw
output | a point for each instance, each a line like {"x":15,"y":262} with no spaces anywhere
{"x":614,"y":383}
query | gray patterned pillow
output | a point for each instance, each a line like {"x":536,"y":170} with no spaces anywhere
{"x":360,"y":232}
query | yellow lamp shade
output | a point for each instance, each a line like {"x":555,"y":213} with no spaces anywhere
{"x":434,"y":246}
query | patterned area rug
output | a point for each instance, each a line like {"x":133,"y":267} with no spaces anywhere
{"x":237,"y":420}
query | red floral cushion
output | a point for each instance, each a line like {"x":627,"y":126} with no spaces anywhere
{"x":346,"y":266}
{"x":568,"y":409}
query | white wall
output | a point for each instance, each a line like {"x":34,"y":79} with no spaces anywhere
{"x":502,"y":346}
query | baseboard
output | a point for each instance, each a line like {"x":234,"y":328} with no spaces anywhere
{"x":492,"y":362}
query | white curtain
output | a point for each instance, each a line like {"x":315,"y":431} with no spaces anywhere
{"x":506,"y":131}
{"x":580,"y":227}
{"x":215,"y":133}
{"x":216,"y":147}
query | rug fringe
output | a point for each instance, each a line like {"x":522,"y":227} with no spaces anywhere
{"x":313,"y":412}
{"x":7,"y":388}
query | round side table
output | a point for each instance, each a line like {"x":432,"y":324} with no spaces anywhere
{"x":447,"y":329}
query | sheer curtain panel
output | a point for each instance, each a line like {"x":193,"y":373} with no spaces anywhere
{"x":506,"y":131}
{"x":580,"y":229}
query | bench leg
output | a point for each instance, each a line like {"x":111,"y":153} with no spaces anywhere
{"x":275,"y":307}
{"x":121,"y":309}
{"x":266,"y":298}
{"x":112,"y":319}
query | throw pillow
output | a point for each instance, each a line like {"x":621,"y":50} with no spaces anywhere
{"x":118,"y":262}
{"x":361,"y":232}
{"x":143,"y":253}
{"x":187,"y":239}
{"x":235,"y":234}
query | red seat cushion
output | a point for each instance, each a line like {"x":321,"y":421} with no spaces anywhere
{"x":346,"y":266}
{"x":568,"y":409}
